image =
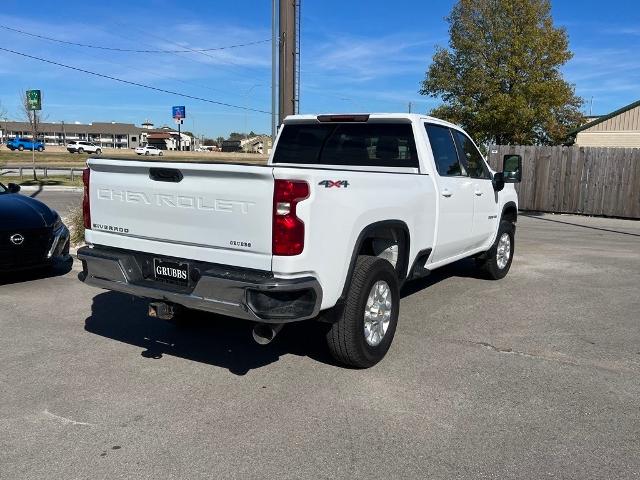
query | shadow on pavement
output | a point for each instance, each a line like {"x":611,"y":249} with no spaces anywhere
{"x":37,"y":192}
{"x":39,"y":273}
{"x":462,"y":268}
{"x":206,"y":338}
{"x":223,"y":341}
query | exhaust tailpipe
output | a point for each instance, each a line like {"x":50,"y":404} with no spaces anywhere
{"x":264,"y":333}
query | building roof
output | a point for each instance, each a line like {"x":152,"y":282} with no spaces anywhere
{"x":95,"y":127}
{"x":604,"y":118}
{"x":158,"y":136}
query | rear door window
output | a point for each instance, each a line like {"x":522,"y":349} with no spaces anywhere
{"x":355,"y":144}
{"x":444,"y":150}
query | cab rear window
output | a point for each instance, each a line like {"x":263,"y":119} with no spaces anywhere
{"x":354,"y":144}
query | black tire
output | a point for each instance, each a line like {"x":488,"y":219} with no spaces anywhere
{"x":40,"y":149}
{"x":160,"y":154}
{"x":489,"y":262}
{"x":81,"y":150}
{"x":20,"y":148}
{"x":98,"y":152}
{"x":146,"y":153}
{"x":346,"y":337}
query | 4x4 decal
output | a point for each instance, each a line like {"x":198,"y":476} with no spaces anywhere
{"x":334,"y":183}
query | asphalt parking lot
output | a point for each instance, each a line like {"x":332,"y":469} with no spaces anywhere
{"x":62,"y":200}
{"x":533,"y":376}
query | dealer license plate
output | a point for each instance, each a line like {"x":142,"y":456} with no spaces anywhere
{"x":171,"y":272}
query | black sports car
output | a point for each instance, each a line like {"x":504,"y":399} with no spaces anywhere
{"x":31,"y":234}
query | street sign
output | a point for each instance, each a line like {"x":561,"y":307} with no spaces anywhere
{"x":178,"y":121}
{"x":179,"y":112}
{"x":34,"y":99}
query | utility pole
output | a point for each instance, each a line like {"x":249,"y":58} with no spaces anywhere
{"x":288,"y":58}
{"x":274,"y":69}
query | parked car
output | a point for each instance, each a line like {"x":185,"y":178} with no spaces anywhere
{"x":148,"y":150}
{"x":348,"y":208}
{"x":25,"y":144}
{"x":31,"y":234}
{"x":82,"y":147}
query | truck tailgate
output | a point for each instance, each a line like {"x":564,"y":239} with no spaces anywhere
{"x":219,"y":213}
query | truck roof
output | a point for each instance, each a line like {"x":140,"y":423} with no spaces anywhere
{"x":372,"y":116}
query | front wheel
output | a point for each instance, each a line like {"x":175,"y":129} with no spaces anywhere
{"x":40,"y":149}
{"x":365,"y":328}
{"x":160,"y":154}
{"x":146,"y":153}
{"x":98,"y":152}
{"x":20,"y":148}
{"x":81,"y":150}
{"x":497,"y":260}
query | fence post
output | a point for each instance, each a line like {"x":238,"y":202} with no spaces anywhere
{"x":45,"y":172}
{"x":20,"y":173}
{"x":72,"y":176}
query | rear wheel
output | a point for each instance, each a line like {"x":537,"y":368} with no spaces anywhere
{"x":147,"y":152}
{"x":497,"y":261}
{"x":364,"y":331}
{"x":81,"y":150}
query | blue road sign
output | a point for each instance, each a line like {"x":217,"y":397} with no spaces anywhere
{"x":178,"y":112}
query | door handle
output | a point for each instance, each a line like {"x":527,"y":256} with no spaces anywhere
{"x":478,"y":193}
{"x":447,"y":193}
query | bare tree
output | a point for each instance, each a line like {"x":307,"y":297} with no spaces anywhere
{"x":33,"y":118}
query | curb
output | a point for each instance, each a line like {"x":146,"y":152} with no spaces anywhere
{"x":50,"y":188}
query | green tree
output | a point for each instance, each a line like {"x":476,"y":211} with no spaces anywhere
{"x":500,"y":77}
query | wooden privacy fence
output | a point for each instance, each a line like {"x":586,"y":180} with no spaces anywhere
{"x":584,"y":180}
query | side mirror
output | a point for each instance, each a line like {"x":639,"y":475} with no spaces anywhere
{"x":13,"y":187}
{"x":512,"y":168}
{"x":498,"y":181}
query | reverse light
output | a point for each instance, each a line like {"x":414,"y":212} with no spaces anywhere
{"x":86,"y":207}
{"x":288,"y":229}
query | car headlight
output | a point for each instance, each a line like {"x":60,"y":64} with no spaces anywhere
{"x":57,"y":225}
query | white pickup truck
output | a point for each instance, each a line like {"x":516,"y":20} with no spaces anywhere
{"x":347,"y":209}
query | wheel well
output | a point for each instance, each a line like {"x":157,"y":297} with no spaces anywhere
{"x":389,"y":242}
{"x":510,"y":213}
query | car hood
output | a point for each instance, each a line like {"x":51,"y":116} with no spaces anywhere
{"x":20,"y":212}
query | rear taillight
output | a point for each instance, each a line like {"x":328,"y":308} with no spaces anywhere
{"x":86,"y":206}
{"x":288,"y":229}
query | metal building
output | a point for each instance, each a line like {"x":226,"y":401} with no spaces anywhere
{"x":618,"y":129}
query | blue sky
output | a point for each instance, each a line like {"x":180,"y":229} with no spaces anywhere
{"x":356,"y":56}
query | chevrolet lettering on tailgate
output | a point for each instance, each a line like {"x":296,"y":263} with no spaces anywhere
{"x":176,"y":201}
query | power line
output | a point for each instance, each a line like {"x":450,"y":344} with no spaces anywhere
{"x":102,"y":75}
{"x":188,"y":50}
{"x":115,"y":49}
{"x":193,"y":58}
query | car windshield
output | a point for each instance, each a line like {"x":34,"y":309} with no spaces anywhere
{"x":3,"y":189}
